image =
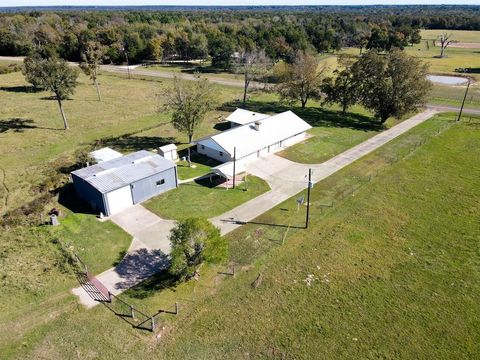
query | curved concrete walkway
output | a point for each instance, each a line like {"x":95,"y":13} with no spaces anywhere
{"x":150,"y":246}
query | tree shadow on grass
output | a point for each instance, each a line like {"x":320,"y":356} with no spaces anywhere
{"x":205,"y":181}
{"x":138,"y":266}
{"x":21,"y":89}
{"x":16,"y":125}
{"x":131,"y":142}
{"x":198,"y":158}
{"x":194,"y":68}
{"x":222,"y":126}
{"x":160,"y":281}
{"x":316,"y":117}
{"x":20,"y":125}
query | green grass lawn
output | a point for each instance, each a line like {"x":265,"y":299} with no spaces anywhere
{"x":34,"y":277}
{"x":394,"y":265}
{"x":327,"y":141}
{"x":197,"y":199}
{"x":453,"y":95}
{"x":455,"y":58}
{"x":201,"y":165}
{"x":393,"y":262}
{"x":189,"y":172}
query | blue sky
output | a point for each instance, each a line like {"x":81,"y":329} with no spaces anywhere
{"x":229,"y":2}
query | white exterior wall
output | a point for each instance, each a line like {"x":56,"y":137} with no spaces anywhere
{"x":212,"y":153}
{"x":262,"y":152}
{"x":294,"y":139}
{"x":273,"y":148}
{"x":247,"y":159}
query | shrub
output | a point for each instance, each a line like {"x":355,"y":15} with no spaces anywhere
{"x":193,"y":241}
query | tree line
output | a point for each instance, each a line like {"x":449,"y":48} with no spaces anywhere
{"x":186,"y":35}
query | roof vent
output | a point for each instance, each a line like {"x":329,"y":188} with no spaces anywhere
{"x":257,"y":125}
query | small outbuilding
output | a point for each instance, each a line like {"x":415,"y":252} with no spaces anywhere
{"x":104,"y":154}
{"x":114,"y":185}
{"x":169,"y":152}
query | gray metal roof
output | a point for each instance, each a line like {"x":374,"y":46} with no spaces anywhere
{"x":114,"y":174}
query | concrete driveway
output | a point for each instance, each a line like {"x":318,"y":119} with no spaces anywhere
{"x":147,"y":255}
{"x":145,"y":226}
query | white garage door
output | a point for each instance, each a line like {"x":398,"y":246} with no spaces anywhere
{"x":119,"y":199}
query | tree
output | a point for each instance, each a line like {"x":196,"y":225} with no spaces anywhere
{"x":302,"y":79}
{"x":415,"y":37}
{"x":343,"y":88}
{"x":392,"y":84}
{"x":445,"y":41}
{"x":155,"y":48}
{"x":190,"y":102}
{"x":53,"y":75}
{"x":91,"y":60}
{"x":253,"y":64}
{"x":220,"y":48}
{"x":194,"y":241}
{"x":378,"y":39}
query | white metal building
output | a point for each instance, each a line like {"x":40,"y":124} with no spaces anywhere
{"x":253,"y":139}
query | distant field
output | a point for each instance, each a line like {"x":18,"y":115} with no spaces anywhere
{"x":458,"y":35}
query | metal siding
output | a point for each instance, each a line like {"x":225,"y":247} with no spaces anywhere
{"x":147,"y":188}
{"x":212,"y":153}
{"x":89,"y":194}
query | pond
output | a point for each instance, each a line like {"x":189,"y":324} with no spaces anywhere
{"x":447,"y":80}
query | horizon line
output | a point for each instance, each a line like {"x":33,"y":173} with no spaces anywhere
{"x":240,"y":6}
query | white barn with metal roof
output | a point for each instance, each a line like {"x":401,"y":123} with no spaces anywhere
{"x":254,"y":139}
{"x":114,"y":185}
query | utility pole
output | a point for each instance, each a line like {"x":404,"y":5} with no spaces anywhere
{"x":128,"y":63}
{"x":463,"y":102}
{"x":309,"y":187}
{"x":234,"y":161}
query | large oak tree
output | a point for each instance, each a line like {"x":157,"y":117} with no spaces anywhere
{"x":392,"y":84}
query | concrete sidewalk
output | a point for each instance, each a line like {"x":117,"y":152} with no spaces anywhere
{"x":150,"y":246}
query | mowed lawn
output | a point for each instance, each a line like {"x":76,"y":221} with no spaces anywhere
{"x":387,"y":269}
{"x":333,"y":133}
{"x":200,"y":199}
